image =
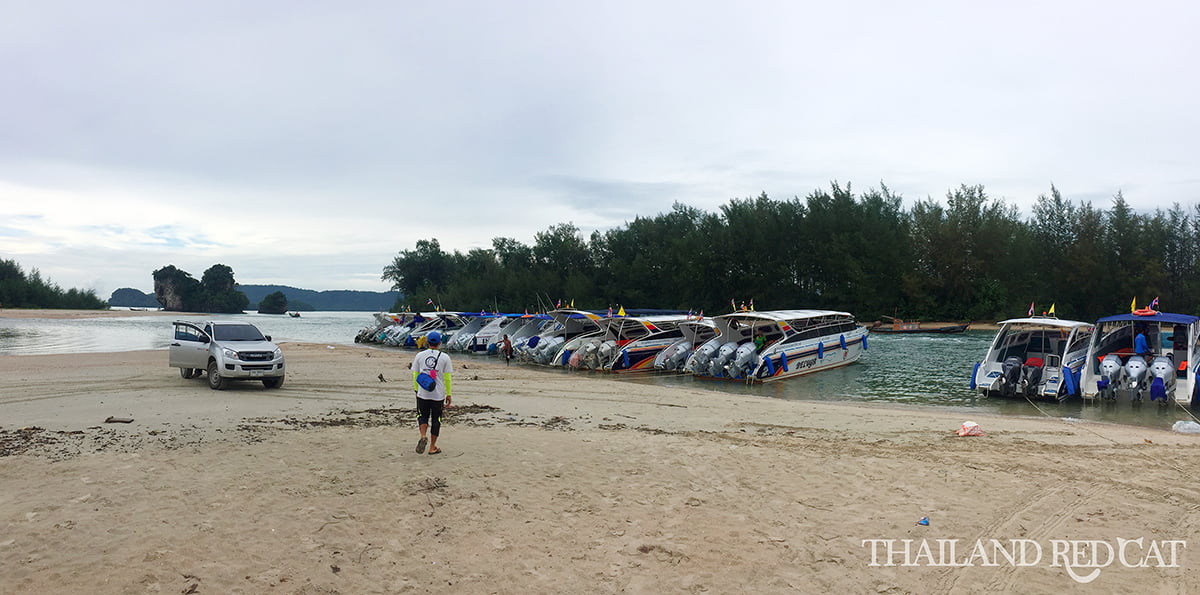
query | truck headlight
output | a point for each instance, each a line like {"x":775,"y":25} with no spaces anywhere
{"x":278,"y":353}
{"x":231,"y":354}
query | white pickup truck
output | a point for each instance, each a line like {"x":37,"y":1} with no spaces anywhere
{"x":227,"y":351}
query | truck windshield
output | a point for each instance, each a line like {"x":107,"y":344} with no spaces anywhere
{"x":236,"y":332}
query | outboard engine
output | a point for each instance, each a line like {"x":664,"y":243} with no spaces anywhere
{"x":1031,"y":375}
{"x":1111,"y":375}
{"x":724,"y":355}
{"x":587,"y":355}
{"x":743,"y":361}
{"x":604,"y":354}
{"x":524,"y":348}
{"x":698,"y":363}
{"x":546,"y":349}
{"x":672,"y":356}
{"x":1010,"y":375}
{"x":1136,"y":376}
{"x":574,"y":361}
{"x":1162,"y":378}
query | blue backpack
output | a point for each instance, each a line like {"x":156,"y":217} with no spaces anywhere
{"x":427,"y":382}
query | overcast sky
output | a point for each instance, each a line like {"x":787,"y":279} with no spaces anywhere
{"x":308,"y":143}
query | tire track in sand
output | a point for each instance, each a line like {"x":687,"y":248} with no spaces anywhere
{"x":1059,"y":506}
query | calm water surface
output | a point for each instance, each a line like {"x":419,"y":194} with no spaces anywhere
{"x":933,"y":370}
{"x":928,"y":370}
{"x":39,"y":336}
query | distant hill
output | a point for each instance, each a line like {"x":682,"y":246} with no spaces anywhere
{"x":338,"y":300}
{"x":133,"y":298}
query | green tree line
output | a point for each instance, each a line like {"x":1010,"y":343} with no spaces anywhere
{"x":21,"y":290}
{"x":971,"y":258}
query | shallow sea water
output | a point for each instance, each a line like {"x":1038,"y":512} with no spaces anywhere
{"x":920,"y":370}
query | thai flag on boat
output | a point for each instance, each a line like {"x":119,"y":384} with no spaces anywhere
{"x":1154,"y":304}
{"x":429,"y":301}
{"x":1031,"y":308}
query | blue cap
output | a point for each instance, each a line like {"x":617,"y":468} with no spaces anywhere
{"x":433,"y":338}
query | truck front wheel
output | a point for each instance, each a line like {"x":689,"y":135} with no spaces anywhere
{"x":215,"y":380}
{"x":275,"y":382}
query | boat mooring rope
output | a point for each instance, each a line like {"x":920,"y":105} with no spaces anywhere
{"x":1144,"y":453}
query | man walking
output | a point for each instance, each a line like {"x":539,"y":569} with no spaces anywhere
{"x":431,"y":382}
{"x":506,"y":349}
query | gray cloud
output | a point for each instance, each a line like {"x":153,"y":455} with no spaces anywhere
{"x":313,"y":141}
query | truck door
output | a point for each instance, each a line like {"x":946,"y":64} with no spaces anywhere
{"x":189,"y":347}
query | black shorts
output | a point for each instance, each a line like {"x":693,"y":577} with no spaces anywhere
{"x":430,"y":412}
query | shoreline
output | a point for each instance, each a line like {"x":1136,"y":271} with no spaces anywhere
{"x":66,"y":314}
{"x":549,"y":482}
{"x":52,"y":314}
{"x":86,"y":406}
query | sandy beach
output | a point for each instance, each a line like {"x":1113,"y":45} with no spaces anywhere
{"x":556,"y":482}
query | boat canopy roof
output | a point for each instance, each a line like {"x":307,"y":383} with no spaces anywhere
{"x":564,"y":313}
{"x":1037,"y":320}
{"x":782,"y":315}
{"x":1156,"y":317}
{"x":650,"y":322}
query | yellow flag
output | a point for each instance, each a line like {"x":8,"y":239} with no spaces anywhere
{"x":621,"y":312}
{"x":1133,"y":304}
{"x":572,"y":304}
{"x":1051,"y":308}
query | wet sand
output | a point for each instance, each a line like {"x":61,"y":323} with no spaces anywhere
{"x":550,"y":482}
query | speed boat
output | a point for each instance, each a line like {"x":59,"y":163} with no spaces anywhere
{"x":776,"y":344}
{"x":520,"y":332}
{"x":629,"y":343}
{"x":1034,"y":357}
{"x":446,"y":323}
{"x":373,"y":333}
{"x":492,"y":333}
{"x":1144,"y":353}
{"x":554,"y":345}
{"x":466,"y":334}
{"x":403,"y":324}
